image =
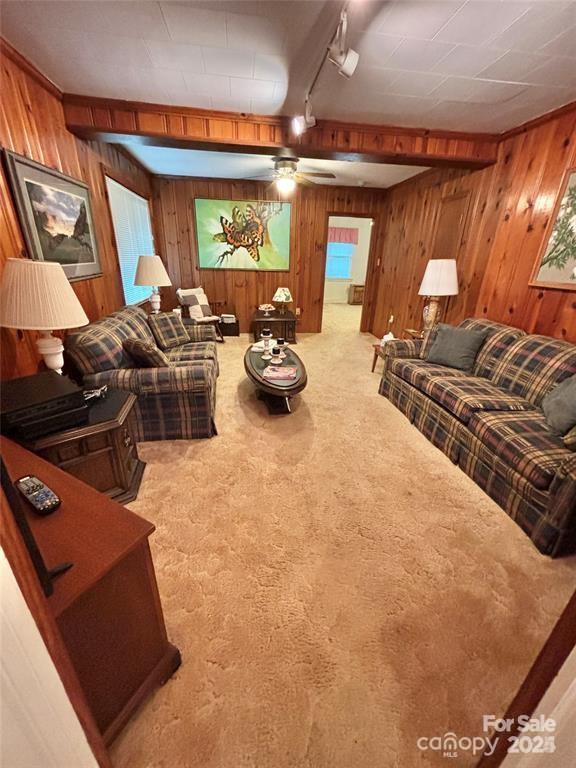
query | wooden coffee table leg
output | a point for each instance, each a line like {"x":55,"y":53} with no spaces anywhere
{"x":374,"y":359}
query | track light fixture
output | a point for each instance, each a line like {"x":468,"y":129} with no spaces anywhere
{"x":344,"y":58}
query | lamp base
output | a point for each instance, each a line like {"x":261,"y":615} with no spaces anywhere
{"x":51,"y":349}
{"x":431,"y":313}
{"x":155,"y":301}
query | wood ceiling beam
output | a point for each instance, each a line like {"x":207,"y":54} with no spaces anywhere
{"x":126,"y":122}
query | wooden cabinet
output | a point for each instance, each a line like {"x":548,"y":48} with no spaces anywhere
{"x":106,"y":607}
{"x":100,"y":453}
{"x":355,"y":294}
{"x":282,"y":324}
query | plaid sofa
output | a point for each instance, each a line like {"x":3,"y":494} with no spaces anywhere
{"x":490,"y":423}
{"x":172,"y":402}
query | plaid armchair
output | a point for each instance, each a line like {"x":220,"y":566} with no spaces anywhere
{"x":489,"y":422}
{"x":173,"y":402}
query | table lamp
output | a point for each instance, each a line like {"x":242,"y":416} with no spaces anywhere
{"x":151,"y":271}
{"x":440,"y":279}
{"x":37,"y":296}
{"x":282,"y":297}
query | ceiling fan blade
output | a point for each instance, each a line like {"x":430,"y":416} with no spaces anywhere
{"x":260,"y":177}
{"x":318,"y":175}
{"x":303,"y":181}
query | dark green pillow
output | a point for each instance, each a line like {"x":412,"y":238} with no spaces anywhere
{"x":559,"y":406}
{"x":456,"y":347}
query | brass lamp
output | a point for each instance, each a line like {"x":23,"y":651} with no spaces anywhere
{"x":440,"y":279}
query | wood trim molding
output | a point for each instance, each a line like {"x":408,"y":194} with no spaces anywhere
{"x":159,"y":125}
{"x":29,"y":68}
{"x":536,"y":121}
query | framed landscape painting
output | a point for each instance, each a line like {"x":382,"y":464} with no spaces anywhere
{"x":56,"y":217}
{"x":556,"y":267}
{"x":243,"y":234}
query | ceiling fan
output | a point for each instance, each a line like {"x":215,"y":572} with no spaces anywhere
{"x":285,"y":174}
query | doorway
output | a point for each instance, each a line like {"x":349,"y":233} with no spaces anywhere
{"x":347,"y":254}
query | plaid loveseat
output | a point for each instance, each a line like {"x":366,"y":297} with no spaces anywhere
{"x":172,"y":402}
{"x":489,"y":422}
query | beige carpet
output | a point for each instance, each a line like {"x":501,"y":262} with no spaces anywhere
{"x":336,"y":586}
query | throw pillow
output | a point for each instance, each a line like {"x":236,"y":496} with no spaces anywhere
{"x":168,"y":329}
{"x":456,"y":347}
{"x":197,"y":302}
{"x":559,"y":406}
{"x":145,"y":354}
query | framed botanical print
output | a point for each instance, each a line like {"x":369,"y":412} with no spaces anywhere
{"x":56,"y":217}
{"x":556,"y":266}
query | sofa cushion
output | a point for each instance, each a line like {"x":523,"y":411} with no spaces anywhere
{"x":559,"y":406}
{"x":532,"y":365}
{"x":135,"y":319}
{"x":523,"y":442}
{"x":464,"y":395}
{"x":97,"y":348}
{"x":416,"y":372}
{"x":145,"y":354}
{"x":168,"y":329}
{"x":456,"y":347}
{"x":498,"y":339}
{"x":200,"y":350}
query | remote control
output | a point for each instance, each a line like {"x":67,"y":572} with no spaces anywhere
{"x":43,"y":499}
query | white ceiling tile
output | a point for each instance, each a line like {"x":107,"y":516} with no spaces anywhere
{"x":117,"y":49}
{"x":270,"y":67}
{"x":467,"y":60}
{"x":476,"y":90}
{"x":231,"y":103}
{"x":217,"y":85}
{"x":265,"y":107}
{"x":418,"y":55}
{"x":536,"y":28}
{"x":513,"y":65}
{"x":225,"y":61}
{"x":563,"y":45}
{"x":254,"y":33}
{"x":170,"y":55}
{"x":374,"y":49}
{"x":476,"y":22}
{"x":415,"y":19}
{"x":555,"y":72}
{"x":190,"y":24}
{"x":416,"y":83}
{"x":247,"y":88}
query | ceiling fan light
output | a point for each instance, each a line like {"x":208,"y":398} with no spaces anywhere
{"x":285,"y":185}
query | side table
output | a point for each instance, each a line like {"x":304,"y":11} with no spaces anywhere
{"x":378,"y":352}
{"x":102,"y":452}
{"x":282,"y":325}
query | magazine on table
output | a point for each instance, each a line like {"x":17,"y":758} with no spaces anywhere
{"x":273,"y":372}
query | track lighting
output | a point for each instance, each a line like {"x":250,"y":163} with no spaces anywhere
{"x":301,"y":123}
{"x":345,"y":59}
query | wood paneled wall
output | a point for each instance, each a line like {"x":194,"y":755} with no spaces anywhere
{"x":32,"y":124}
{"x":510,"y":204}
{"x":243,"y":290}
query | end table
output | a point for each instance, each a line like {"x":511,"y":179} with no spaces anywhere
{"x":101,"y":452}
{"x":282,"y":324}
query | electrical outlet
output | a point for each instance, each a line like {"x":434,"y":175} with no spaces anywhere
{"x":298,"y":311}
{"x":391,"y":319}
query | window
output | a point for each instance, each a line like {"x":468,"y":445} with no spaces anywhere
{"x":133,"y":231}
{"x":339,"y":261}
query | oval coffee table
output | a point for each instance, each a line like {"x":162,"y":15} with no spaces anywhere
{"x":276,"y":394}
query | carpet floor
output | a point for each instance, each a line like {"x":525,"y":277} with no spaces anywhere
{"x":336,"y":586}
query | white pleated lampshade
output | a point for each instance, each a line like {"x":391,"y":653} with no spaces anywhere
{"x":440,"y":278}
{"x":151,"y":271}
{"x":37,"y":295}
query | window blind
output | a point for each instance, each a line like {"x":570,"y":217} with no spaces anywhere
{"x":133,"y":231}
{"x":339,"y":261}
